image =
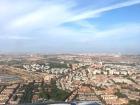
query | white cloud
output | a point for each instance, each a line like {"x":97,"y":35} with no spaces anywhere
{"x":55,"y":13}
{"x":15,"y":37}
{"x":59,"y":24}
{"x":98,"y":12}
{"x":118,"y":31}
{"x":50,"y":16}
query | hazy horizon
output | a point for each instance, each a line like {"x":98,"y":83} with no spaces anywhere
{"x":75,"y":26}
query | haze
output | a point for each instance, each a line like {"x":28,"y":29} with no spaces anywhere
{"x":70,"y":26}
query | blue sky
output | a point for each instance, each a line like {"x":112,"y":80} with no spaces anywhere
{"x":62,"y":26}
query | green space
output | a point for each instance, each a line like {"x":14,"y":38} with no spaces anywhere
{"x":51,"y":92}
{"x":120,"y":95}
{"x":1,"y":88}
{"x":134,"y":102}
{"x":58,"y":65}
{"x":27,"y":97}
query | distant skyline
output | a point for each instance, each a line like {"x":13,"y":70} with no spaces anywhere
{"x":70,"y":26}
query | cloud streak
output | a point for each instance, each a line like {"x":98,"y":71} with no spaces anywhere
{"x":47,"y":15}
{"x":60,"y":21}
{"x":53,"y":14}
{"x":95,"y":13}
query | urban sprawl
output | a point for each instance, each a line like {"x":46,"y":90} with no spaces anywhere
{"x":102,"y":79}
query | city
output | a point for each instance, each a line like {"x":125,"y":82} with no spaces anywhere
{"x":103,"y":79}
{"x":69,"y":52}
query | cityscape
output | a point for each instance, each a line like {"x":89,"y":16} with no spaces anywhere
{"x":69,"y":52}
{"x":93,"y":78}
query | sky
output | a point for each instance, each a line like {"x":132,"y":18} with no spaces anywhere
{"x":70,"y":26}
